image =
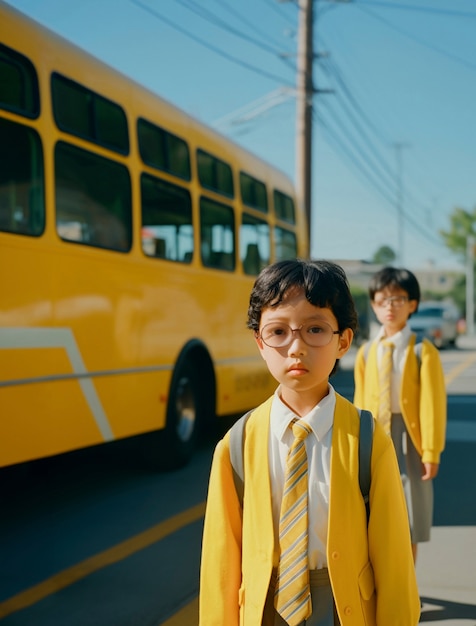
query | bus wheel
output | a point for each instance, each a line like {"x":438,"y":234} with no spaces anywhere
{"x":184,"y":418}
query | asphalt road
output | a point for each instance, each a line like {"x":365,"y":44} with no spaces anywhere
{"x":97,"y":538}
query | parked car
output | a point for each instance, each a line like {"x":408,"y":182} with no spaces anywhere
{"x":437,"y":321}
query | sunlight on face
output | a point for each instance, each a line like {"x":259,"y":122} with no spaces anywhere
{"x":302,"y":369}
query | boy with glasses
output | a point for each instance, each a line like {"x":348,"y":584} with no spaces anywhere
{"x":300,"y":551}
{"x":404,"y":387}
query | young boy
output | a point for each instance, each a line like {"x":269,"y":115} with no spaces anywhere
{"x":303,"y":318}
{"x":415,"y":412}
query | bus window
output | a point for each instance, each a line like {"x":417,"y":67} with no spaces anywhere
{"x":254,"y":244}
{"x":214,"y":174}
{"x":217,"y":235}
{"x":93,"y":199}
{"x":18,"y":84}
{"x":284,"y":207}
{"x":167,"y":228}
{"x":162,"y":150}
{"x":285,"y":244}
{"x":253,"y":193}
{"x":86,"y":114}
{"x":22,"y":208}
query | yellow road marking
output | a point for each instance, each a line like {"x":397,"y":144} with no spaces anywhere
{"x":459,"y":369}
{"x":103,"y":559}
{"x":188,"y":616}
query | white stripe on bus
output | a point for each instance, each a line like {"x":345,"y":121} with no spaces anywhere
{"x":60,"y":338}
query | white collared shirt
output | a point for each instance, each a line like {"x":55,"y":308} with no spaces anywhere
{"x":400,"y":341}
{"x":318,"y":448}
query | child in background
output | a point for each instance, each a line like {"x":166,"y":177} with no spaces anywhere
{"x":414,"y":415}
{"x":303,"y":319}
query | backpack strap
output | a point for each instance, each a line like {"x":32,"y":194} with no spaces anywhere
{"x":418,"y":348}
{"x":237,"y":446}
{"x":365,"y":456}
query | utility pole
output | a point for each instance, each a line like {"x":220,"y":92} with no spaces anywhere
{"x":305,"y":92}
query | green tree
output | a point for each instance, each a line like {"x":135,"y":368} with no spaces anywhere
{"x":462,"y":224}
{"x":384,"y":256}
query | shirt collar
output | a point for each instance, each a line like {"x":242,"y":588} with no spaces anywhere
{"x":320,"y":418}
{"x":400,"y":339}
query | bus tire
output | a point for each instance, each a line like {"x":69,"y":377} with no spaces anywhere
{"x":184,"y":418}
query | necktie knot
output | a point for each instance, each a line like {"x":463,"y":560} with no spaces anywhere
{"x":300,"y":430}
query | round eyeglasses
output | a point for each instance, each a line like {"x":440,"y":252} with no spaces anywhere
{"x":395,"y":301}
{"x":315,"y":334}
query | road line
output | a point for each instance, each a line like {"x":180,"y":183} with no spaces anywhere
{"x":459,"y":369}
{"x":187,"y":616}
{"x":103,"y":559}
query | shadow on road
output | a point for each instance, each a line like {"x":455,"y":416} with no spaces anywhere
{"x":443,"y":610}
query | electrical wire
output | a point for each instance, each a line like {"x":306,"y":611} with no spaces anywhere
{"x":348,"y":130}
{"x":433,"y":48}
{"x":248,"y":23}
{"x":412,"y":7}
{"x":353,"y":111}
{"x":353,"y":157}
{"x":211,"y":18}
{"x":206,"y":44}
{"x":272,"y":4}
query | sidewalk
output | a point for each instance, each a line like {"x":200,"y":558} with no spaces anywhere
{"x":446,"y":572}
{"x":446,"y":566}
{"x":466,"y":342}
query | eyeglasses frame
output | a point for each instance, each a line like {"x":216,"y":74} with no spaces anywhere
{"x":298,"y":329}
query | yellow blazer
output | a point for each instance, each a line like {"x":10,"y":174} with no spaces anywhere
{"x":422,"y":395}
{"x":371,"y":570}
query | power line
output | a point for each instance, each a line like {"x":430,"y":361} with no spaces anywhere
{"x":206,"y":44}
{"x":412,"y":7}
{"x":211,"y":18}
{"x":420,"y":42}
{"x":357,"y":145}
{"x":272,"y":4}
{"x":248,"y":23}
{"x":354,"y":111}
{"x":353,"y":156}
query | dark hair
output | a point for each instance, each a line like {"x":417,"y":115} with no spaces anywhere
{"x":323,"y":282}
{"x":397,"y":278}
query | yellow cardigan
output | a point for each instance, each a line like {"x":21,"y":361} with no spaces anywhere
{"x":371,"y":570}
{"x":422,"y":395}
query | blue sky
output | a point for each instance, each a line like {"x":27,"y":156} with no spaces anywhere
{"x":402,"y":73}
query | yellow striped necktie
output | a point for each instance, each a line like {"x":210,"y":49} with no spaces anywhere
{"x":385,"y":381}
{"x":292,"y":598}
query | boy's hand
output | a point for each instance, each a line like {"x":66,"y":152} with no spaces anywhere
{"x":430,"y":470}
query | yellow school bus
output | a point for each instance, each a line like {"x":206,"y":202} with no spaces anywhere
{"x":130,"y":237}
